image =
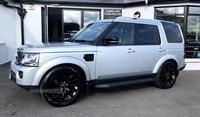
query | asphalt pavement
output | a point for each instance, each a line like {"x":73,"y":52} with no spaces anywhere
{"x":182,"y":100}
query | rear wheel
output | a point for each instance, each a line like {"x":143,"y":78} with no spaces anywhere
{"x":62,"y":85}
{"x":166,"y":76}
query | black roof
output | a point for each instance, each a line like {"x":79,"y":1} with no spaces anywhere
{"x":104,"y":2}
{"x":81,"y":1}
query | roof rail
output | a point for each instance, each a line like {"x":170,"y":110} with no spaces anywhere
{"x":123,"y":17}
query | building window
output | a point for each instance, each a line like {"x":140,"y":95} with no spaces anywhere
{"x":174,"y":14}
{"x":194,"y":10}
{"x":64,"y":23}
{"x":193,"y":33}
{"x":90,"y":16}
{"x":169,"y":10}
{"x":72,"y":22}
{"x":190,"y":25}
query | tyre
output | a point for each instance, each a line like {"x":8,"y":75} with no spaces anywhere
{"x":61,"y":86}
{"x":166,"y":76}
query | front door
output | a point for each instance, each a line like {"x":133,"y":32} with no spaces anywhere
{"x":119,"y":60}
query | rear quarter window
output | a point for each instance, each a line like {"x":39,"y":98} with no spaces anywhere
{"x":172,"y":32}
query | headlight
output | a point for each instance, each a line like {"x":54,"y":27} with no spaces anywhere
{"x":27,"y":59}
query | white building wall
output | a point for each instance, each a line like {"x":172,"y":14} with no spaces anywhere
{"x":146,"y":11}
{"x":8,"y":31}
{"x":33,"y":25}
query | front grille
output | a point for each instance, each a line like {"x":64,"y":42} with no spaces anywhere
{"x":19,"y":57}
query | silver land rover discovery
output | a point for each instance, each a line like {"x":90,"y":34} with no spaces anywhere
{"x":105,"y":54}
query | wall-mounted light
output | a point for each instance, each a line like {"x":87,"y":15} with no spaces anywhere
{"x":31,"y":7}
{"x":137,"y":14}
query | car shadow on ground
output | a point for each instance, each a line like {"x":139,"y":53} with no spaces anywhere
{"x":93,"y":91}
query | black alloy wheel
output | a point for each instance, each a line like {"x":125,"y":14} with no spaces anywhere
{"x":62,"y":85}
{"x":166,"y":76}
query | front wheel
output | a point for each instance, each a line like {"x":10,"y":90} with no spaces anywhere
{"x":166,"y":76}
{"x":62,"y":85}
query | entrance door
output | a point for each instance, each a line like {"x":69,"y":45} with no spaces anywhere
{"x":193,"y":37}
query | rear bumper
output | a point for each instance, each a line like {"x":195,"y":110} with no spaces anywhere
{"x":180,"y":69}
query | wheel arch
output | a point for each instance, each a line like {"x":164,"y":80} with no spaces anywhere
{"x":164,"y":59}
{"x":61,"y":61}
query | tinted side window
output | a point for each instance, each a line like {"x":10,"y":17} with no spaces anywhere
{"x":148,"y":35}
{"x":172,"y":32}
{"x":125,"y":32}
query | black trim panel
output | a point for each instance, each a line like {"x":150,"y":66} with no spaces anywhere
{"x":84,"y":1}
{"x":125,"y":83}
{"x":121,"y":3}
{"x":113,"y":82}
{"x":89,"y":57}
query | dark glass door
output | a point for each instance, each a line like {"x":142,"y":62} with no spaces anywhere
{"x":193,"y":37}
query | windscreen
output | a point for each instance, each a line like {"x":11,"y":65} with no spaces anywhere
{"x":91,"y":32}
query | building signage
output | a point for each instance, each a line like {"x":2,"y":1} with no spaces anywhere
{"x":112,"y":13}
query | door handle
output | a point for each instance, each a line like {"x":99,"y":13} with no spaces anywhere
{"x":161,"y":49}
{"x":130,"y":50}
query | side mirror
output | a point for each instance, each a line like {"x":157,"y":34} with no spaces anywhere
{"x":110,"y":40}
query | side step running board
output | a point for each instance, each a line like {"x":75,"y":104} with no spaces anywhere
{"x":125,"y":83}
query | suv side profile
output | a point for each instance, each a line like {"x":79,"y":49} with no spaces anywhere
{"x":105,"y":54}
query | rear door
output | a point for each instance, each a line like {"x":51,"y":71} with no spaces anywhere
{"x":175,"y":42}
{"x":150,"y":47}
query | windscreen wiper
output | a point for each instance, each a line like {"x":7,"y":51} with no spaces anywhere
{"x":83,"y":41}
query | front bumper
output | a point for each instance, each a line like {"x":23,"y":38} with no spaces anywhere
{"x":22,"y":76}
